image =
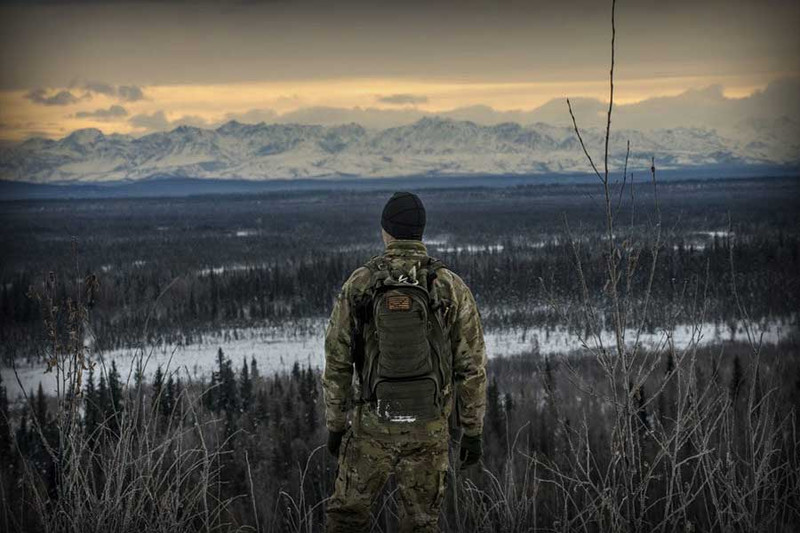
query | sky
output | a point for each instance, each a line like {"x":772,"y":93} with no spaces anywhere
{"x":141,"y":66}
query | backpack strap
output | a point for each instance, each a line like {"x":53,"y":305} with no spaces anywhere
{"x":362,"y":315}
{"x":432,"y":267}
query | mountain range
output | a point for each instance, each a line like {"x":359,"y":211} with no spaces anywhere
{"x":430,"y":146}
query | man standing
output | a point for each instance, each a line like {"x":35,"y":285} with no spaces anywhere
{"x":408,"y":330}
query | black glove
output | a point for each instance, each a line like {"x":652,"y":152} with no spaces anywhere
{"x":334,"y":441}
{"x":471,"y":450}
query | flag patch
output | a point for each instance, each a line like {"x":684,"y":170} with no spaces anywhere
{"x":398,"y":303}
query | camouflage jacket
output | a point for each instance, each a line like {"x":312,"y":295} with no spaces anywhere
{"x":462,"y":321}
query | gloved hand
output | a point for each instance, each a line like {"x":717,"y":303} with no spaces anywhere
{"x":471,"y":450}
{"x":334,"y":441}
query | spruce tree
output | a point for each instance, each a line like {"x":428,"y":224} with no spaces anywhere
{"x":177,"y":399}
{"x":310,"y":399}
{"x":254,"y":374}
{"x":262,"y":407}
{"x":245,"y":387}
{"x":103,"y":399}
{"x":493,"y":411}
{"x":168,"y":398}
{"x":115,"y":396}
{"x":90,"y":404}
{"x":158,"y":385}
{"x":42,"y":417}
{"x":508,"y":402}
{"x":228,"y":393}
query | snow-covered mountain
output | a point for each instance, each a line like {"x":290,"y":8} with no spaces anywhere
{"x":430,"y":146}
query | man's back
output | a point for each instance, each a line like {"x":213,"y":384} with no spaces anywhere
{"x":461,"y":324}
{"x":369,"y":445}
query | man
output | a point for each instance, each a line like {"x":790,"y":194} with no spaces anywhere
{"x":403,"y":345}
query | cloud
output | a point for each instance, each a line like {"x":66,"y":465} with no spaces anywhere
{"x":113,"y":112}
{"x":402,"y":99}
{"x":253,"y":116}
{"x":125,"y":93}
{"x":100,"y":88}
{"x":156,"y":121}
{"x":189,"y":120}
{"x":130,"y":93}
{"x":42,"y":96}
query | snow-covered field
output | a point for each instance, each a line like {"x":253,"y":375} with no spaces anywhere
{"x":276,"y":349}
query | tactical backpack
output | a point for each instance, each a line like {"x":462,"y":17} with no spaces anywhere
{"x":401,"y":349}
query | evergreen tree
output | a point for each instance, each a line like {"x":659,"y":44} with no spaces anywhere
{"x":45,"y":438}
{"x":228,"y":388}
{"x":115,"y":398}
{"x":138,"y":375}
{"x":508,"y":402}
{"x":103,"y":400}
{"x":245,"y":387}
{"x":549,"y":382}
{"x":262,"y":407}
{"x":310,"y":397}
{"x":494,"y":411}
{"x":168,"y":398}
{"x":42,"y":417}
{"x":177,"y":399}
{"x":92,"y":414}
{"x":158,"y":385}
{"x":276,"y":388}
{"x":254,"y":374}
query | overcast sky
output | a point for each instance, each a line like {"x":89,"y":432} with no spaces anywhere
{"x":134,"y":67}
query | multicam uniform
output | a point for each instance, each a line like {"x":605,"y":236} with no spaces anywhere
{"x":417,"y":453}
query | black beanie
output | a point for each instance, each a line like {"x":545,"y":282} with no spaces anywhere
{"x":404,"y":216}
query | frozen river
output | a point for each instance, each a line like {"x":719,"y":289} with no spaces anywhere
{"x":276,"y":349}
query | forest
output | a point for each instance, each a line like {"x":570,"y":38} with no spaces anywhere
{"x":666,"y":436}
{"x":236,"y":261}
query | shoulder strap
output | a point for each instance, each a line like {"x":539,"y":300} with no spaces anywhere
{"x":432,"y":267}
{"x":362,"y":310}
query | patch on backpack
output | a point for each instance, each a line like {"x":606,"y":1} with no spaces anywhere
{"x":398,"y":303}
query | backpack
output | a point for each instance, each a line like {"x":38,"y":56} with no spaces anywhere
{"x":402,"y":351}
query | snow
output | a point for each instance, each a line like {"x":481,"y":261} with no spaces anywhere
{"x":561,"y":341}
{"x":276,"y":348}
{"x":431,"y":146}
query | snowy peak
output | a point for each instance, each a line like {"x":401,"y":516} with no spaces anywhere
{"x":83,"y":137}
{"x":430,"y":146}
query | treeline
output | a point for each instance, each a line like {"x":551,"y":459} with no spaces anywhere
{"x":513,"y":287}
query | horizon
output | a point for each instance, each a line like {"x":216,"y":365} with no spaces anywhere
{"x":124,"y":69}
{"x":377,"y":118}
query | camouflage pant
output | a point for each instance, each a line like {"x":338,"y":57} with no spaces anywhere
{"x":365,"y":464}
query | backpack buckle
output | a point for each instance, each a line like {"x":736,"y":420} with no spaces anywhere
{"x":405,"y":280}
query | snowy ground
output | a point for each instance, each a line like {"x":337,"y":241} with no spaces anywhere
{"x":276,"y":349}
